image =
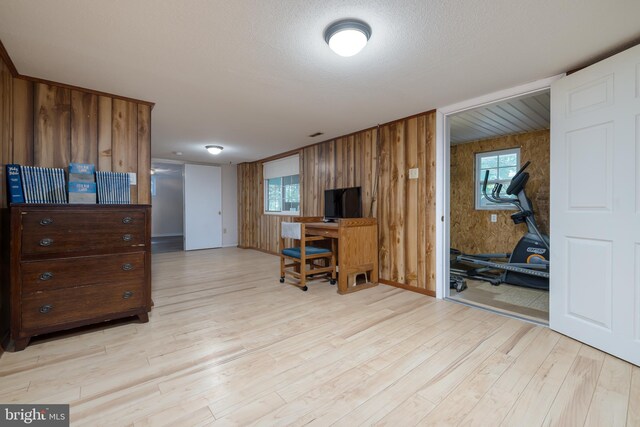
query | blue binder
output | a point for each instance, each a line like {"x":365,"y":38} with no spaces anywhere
{"x":14,"y":184}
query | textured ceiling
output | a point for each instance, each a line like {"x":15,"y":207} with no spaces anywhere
{"x":517,"y":115}
{"x":257,"y":77}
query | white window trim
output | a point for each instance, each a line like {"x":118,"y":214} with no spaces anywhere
{"x":478,"y":180}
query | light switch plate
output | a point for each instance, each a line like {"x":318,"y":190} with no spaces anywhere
{"x":132,"y":178}
{"x":413,"y":173}
{"x":494,"y":218}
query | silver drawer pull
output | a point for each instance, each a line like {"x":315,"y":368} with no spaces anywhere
{"x":127,"y":267}
{"x":127,"y":237}
{"x":46,"y":308}
{"x":46,"y":221}
{"x":127,"y":220}
{"x":46,"y":242}
{"x":47,"y":275}
{"x":127,"y":295}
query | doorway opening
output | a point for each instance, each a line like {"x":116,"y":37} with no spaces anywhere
{"x":167,"y":200}
{"x":498,"y":231}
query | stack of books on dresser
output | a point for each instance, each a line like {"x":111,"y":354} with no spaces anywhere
{"x":113,"y":188}
{"x":82,"y":183}
{"x":30,"y":184}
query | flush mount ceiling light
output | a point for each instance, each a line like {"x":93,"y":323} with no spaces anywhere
{"x":214,"y":149}
{"x":348,"y":36}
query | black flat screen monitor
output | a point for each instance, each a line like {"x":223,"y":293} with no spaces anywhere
{"x":342,"y":203}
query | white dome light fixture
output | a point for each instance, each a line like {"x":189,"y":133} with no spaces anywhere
{"x":214,"y":149}
{"x":347,"y":37}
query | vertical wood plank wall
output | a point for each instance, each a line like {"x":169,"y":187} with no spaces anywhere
{"x":49,"y":126}
{"x":405,"y":207}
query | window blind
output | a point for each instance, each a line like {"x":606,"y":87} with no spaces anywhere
{"x":282,"y":167}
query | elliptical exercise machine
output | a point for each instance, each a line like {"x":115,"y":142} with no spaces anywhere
{"x":528,"y":264}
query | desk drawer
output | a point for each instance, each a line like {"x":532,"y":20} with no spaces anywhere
{"x":81,"y":271}
{"x":43,"y":310}
{"x":325,"y":232}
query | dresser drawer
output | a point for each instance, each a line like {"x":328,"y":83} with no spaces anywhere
{"x":44,"y":310}
{"x":82,"y":221}
{"x":39,"y":242}
{"x":56,"y":231}
{"x":81,"y":271}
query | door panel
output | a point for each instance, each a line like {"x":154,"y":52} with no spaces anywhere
{"x":589,"y":285}
{"x":590,"y":96}
{"x":595,"y":205}
{"x":589,"y":166}
{"x":202,"y":207}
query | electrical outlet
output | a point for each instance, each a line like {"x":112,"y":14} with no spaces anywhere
{"x":224,"y":231}
{"x":413,"y":173}
{"x":494,"y":218}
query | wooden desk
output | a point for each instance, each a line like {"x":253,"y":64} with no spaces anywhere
{"x":357,"y":250}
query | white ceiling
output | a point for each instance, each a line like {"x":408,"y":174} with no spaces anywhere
{"x":517,"y":115}
{"x":257,"y":77}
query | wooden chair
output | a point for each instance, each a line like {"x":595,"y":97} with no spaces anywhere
{"x":301,"y":255}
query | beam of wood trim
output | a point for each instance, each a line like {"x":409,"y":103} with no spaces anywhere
{"x":4,"y":55}
{"x":298,"y":150}
{"x":407,"y":287}
{"x":259,"y":250}
{"x":7,"y":60}
{"x":83,"y":89}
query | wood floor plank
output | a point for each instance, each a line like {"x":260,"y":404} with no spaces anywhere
{"x":402,"y":379}
{"x":252,"y":411}
{"x":535,"y":401}
{"x":420,"y":386}
{"x":228,"y":344}
{"x":611,"y":397}
{"x":497,"y":402}
{"x":572,"y":402}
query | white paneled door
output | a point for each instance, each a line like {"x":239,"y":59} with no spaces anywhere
{"x":202,"y":207}
{"x":595,"y":205}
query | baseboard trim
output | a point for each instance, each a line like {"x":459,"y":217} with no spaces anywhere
{"x":407,"y":287}
{"x":259,"y":250}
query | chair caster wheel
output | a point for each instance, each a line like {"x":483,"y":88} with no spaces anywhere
{"x":332,"y":281}
{"x":304,"y":289}
{"x":282,"y":280}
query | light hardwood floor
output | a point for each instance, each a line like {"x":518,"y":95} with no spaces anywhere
{"x":227,"y":344}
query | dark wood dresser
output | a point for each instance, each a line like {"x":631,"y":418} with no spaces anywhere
{"x":74,"y":265}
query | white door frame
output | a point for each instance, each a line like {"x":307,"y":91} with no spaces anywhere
{"x":443,"y":165}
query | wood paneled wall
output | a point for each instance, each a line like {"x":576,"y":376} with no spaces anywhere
{"x":405,"y":208}
{"x":6,"y":125}
{"x":52,"y":125}
{"x":471,"y":229}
